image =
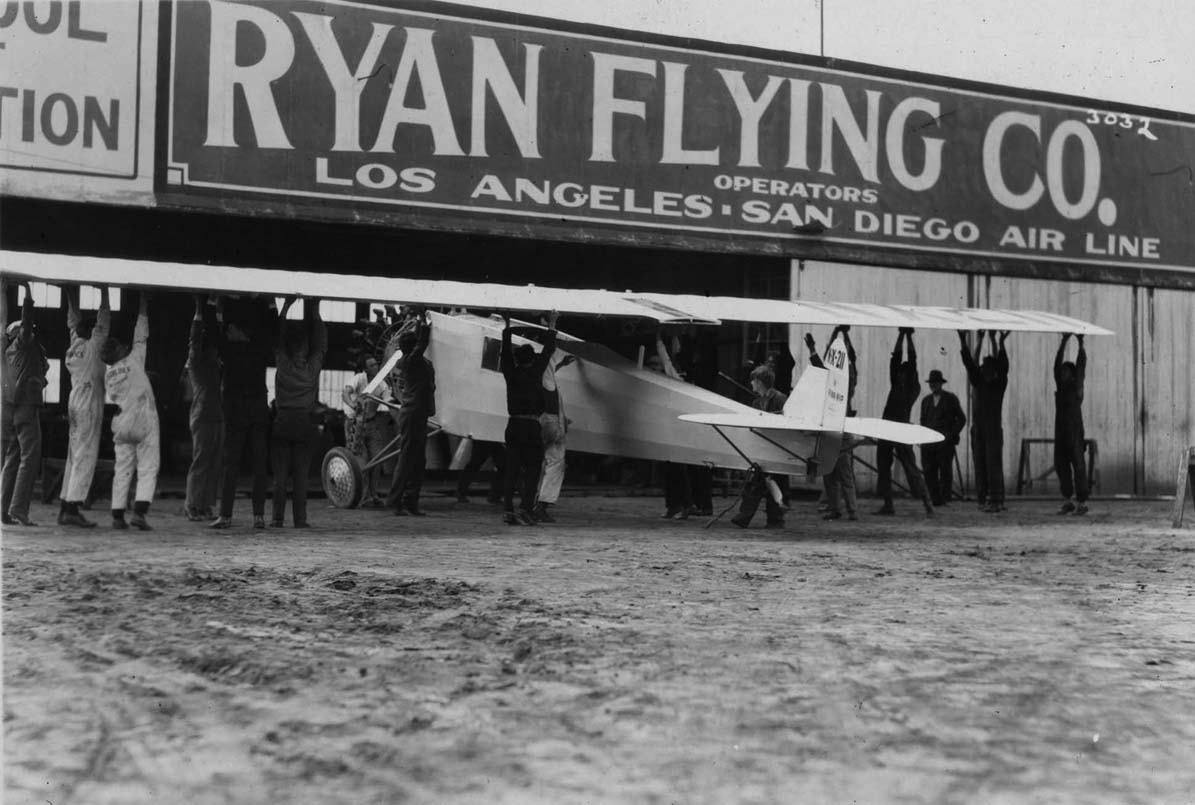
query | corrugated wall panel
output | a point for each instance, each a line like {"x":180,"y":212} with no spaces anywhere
{"x":1168,"y":384}
{"x":1109,"y":404}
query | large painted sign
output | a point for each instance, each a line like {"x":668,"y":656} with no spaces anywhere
{"x":435,"y":116}
{"x":76,"y":99}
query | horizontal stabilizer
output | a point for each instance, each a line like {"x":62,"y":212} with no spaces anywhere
{"x":901,"y":432}
{"x":756,"y":419}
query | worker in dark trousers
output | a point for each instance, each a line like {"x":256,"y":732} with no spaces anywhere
{"x":940,"y":411}
{"x":414,"y":388}
{"x":206,"y":419}
{"x":524,"y":372}
{"x":243,"y":339}
{"x":482,"y":452}
{"x":902,"y":394}
{"x":1069,"y":442}
{"x":299,"y":352}
{"x":989,"y":381}
{"x":771,"y":401}
{"x":25,"y":368}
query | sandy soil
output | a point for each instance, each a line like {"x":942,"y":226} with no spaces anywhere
{"x":612,"y":657}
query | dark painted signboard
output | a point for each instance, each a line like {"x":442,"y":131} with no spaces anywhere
{"x":454,"y":118}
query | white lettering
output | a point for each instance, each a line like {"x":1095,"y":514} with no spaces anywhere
{"x":520,"y":111}
{"x":606,"y":105}
{"x":993,"y":171}
{"x":347,"y":84}
{"x":225,"y":75}
{"x":895,"y":145}
{"x":836,"y":114}
{"x":674,"y":122}
{"x":751,"y":109}
{"x":419,"y":60}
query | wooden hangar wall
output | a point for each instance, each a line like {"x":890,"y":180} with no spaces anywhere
{"x":1140,"y":398}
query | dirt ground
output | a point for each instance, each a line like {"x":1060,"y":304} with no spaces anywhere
{"x":613,"y":657}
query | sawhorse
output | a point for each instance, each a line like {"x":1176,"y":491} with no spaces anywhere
{"x":1186,"y":483}
{"x":1025,"y":479}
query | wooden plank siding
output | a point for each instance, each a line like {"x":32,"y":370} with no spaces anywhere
{"x":1167,"y":324}
{"x":1140,"y":402}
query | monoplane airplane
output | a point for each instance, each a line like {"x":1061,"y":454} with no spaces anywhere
{"x":614,"y":406}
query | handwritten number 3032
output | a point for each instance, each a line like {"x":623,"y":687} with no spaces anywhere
{"x":1124,"y":121}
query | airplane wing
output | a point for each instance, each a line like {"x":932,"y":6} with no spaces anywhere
{"x":901,"y":432}
{"x":59,"y":268}
{"x":779,"y":311}
{"x":663,"y":308}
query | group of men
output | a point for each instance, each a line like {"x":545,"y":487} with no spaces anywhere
{"x":232,"y":341}
{"x":531,"y":460}
{"x":940,"y":411}
{"x":101,"y":365}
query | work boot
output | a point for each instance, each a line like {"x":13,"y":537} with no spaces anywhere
{"x":510,"y":518}
{"x":221,"y":522}
{"x":740,"y":521}
{"x":69,"y":516}
{"x":832,"y":515}
{"x":259,"y":521}
{"x":74,"y":519}
{"x":118,"y":521}
{"x":885,"y":509}
{"x":1080,"y":510}
{"x":525,"y":517}
{"x":19,"y":519}
{"x":138,"y":521}
{"x":1067,"y":508}
{"x":774,"y":524}
{"x":541,"y":513}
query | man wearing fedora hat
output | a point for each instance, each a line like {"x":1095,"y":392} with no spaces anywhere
{"x":940,"y":411}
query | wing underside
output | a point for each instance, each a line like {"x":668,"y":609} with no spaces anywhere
{"x":663,"y":308}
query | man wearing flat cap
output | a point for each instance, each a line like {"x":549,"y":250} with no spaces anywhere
{"x":940,"y":411}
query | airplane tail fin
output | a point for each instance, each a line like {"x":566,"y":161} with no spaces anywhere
{"x":821,"y":395}
{"x":806,"y":401}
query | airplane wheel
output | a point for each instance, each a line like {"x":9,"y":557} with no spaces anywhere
{"x":343,"y":478}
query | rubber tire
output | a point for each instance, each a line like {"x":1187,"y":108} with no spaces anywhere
{"x":343,"y":478}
